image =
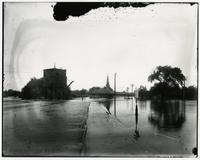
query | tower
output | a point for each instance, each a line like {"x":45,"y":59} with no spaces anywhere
{"x":55,"y":86}
{"x":107,"y":82}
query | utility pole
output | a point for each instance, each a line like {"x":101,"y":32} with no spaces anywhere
{"x":132,"y":89}
{"x":183,"y":88}
{"x":136,"y":95}
{"x":127,"y":89}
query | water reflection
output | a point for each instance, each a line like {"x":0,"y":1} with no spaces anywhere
{"x":170,"y":114}
{"x":132,"y":105}
{"x":107,"y":104}
{"x":167,"y":115}
{"x":143,"y":105}
{"x":127,"y":103}
{"x":114,"y":99}
{"x":136,"y":134}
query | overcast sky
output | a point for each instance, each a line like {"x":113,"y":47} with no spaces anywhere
{"x":129,"y":41}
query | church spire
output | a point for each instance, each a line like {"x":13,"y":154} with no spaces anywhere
{"x":107,"y":82}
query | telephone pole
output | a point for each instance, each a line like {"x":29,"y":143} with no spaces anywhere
{"x":132,"y":89}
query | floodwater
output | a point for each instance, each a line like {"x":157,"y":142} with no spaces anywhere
{"x":43,"y":128}
{"x":116,"y":127}
{"x":99,"y":127}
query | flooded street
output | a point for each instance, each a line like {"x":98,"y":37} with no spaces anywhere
{"x":99,"y":127}
{"x":102,"y":79}
{"x":117,"y":128}
{"x":43,"y":128}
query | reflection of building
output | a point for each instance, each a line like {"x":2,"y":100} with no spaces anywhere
{"x":107,"y":104}
{"x":55,"y":83}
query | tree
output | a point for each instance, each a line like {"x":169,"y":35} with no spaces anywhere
{"x":167,"y":74}
{"x":36,"y":89}
{"x":79,"y":93}
{"x":191,"y":92}
{"x":168,"y":82}
{"x":143,"y":93}
{"x":33,"y":89}
{"x":94,"y":90}
{"x":11,"y":92}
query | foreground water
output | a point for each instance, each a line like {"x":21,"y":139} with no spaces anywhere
{"x":115,"y":127}
{"x":43,"y":128}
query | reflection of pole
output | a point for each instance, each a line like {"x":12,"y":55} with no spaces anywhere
{"x":115,"y":106}
{"x":115,"y":94}
{"x":136,"y":134}
{"x":127,"y":103}
{"x":136,"y":113}
{"x":136,"y":116}
{"x":132,"y":89}
{"x":115,"y":83}
{"x":132,"y":105}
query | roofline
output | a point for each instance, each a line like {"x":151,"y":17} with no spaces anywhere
{"x":54,"y":69}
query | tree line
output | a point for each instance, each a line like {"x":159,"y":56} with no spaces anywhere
{"x":169,"y":83}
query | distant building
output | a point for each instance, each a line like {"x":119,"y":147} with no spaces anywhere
{"x":55,"y":83}
{"x":108,"y":85}
{"x":106,"y":90}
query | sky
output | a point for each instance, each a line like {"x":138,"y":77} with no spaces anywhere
{"x":128,"y":41}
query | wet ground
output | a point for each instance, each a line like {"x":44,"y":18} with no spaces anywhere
{"x":111,"y":127}
{"x":44,"y":128}
{"x":118,"y":128}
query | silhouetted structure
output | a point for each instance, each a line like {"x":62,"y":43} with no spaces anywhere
{"x":106,"y":91}
{"x":108,"y":84}
{"x":52,"y":86}
{"x":55,"y":83}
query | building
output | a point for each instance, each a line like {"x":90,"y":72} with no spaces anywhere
{"x":105,"y":91}
{"x":55,"y":83}
{"x":108,"y":85}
